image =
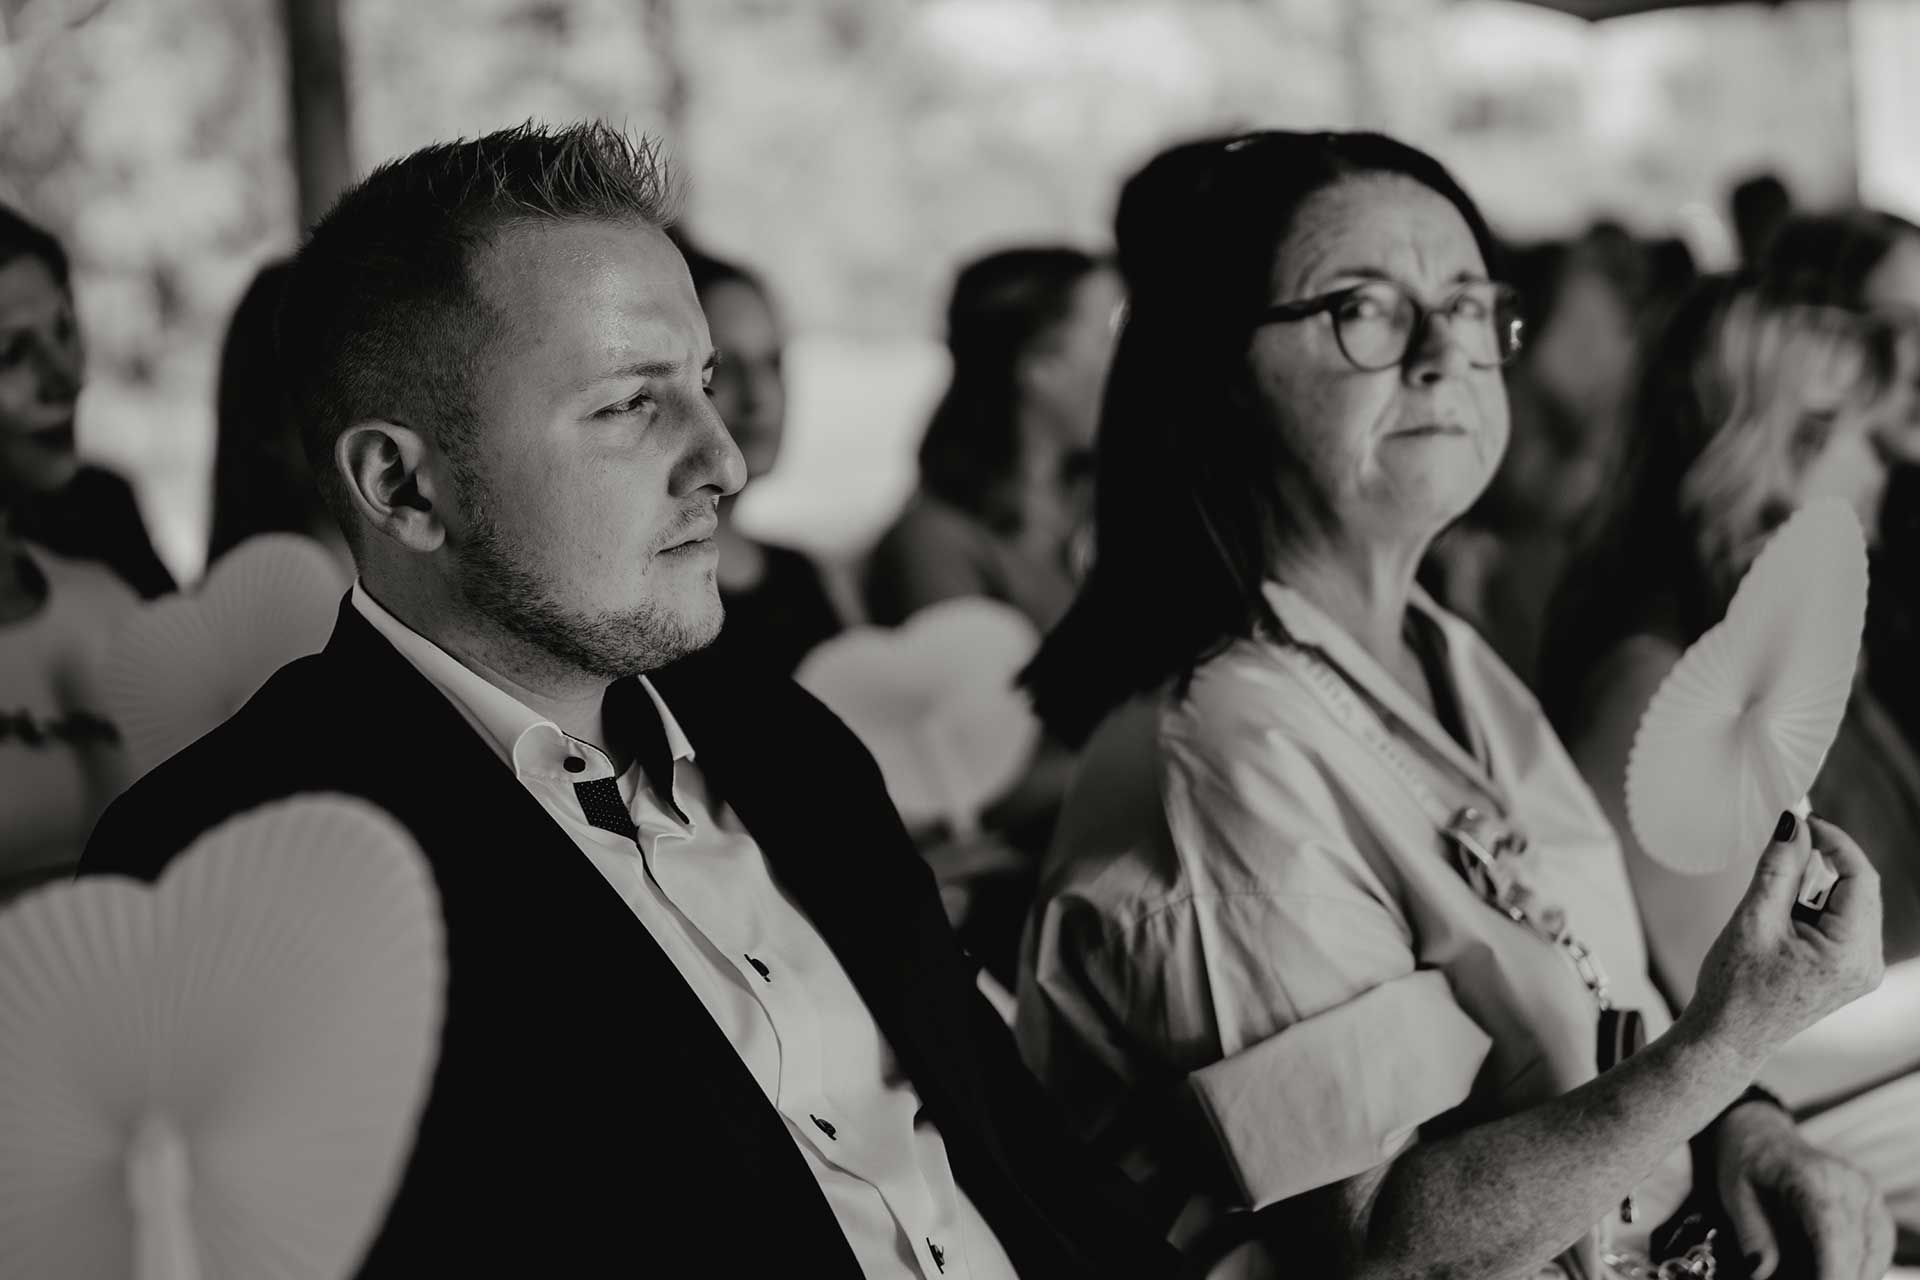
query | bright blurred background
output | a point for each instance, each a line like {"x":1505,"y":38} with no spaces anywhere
{"x":856,"y":151}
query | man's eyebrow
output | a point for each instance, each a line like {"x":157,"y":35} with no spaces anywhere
{"x":638,"y":369}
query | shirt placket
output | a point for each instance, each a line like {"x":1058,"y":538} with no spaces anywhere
{"x":803,"y":1094}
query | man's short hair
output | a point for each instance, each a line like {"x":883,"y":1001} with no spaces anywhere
{"x":382,"y":318}
{"x":20,"y":238}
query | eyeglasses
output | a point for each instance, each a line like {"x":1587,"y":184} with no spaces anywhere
{"x":1379,"y":322}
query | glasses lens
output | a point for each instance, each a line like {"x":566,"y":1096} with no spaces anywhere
{"x":1485,"y":320}
{"x":1374,"y":324}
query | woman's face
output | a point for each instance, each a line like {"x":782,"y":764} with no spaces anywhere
{"x":1893,"y":290}
{"x":1066,"y":375}
{"x":1393,"y":455}
{"x":1840,"y":457}
{"x":41,"y":369}
{"x":749,"y":391}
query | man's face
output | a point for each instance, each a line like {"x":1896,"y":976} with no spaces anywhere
{"x":586,"y":500}
{"x":41,"y":367}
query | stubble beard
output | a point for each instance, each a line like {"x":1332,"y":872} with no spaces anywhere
{"x":498,"y":583}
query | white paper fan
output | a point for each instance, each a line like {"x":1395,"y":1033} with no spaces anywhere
{"x":934,"y":701}
{"x":219,"y":1076}
{"x":1738,"y":730}
{"x":186,"y":662}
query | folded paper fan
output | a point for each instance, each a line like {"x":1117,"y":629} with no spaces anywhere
{"x":219,"y":1077}
{"x":1738,"y":730}
{"x":186,"y":662}
{"x":935,"y":703}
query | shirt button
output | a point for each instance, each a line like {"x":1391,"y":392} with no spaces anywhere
{"x":574,"y":764}
{"x":823,"y":1126}
{"x":761,"y":969}
{"x":939,"y":1257}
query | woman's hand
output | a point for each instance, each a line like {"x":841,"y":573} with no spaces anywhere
{"x":1768,"y":976}
{"x":1789,"y":1199}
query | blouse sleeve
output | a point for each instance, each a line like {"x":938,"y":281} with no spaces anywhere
{"x":1285,"y":985}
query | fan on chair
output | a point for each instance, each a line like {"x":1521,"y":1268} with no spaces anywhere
{"x":219,"y":1077}
{"x":186,"y":662}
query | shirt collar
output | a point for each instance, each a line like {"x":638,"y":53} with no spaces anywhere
{"x":1303,"y":623}
{"x":531,"y":744}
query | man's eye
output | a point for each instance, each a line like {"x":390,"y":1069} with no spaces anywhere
{"x":632,"y":405}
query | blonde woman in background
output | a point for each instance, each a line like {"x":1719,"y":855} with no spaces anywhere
{"x":1753,"y":402}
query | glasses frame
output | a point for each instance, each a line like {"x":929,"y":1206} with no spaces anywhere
{"x":1505,"y":296}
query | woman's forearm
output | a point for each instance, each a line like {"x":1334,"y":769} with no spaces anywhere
{"x":1502,"y":1198}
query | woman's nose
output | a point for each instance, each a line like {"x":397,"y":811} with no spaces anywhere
{"x":1434,"y":352}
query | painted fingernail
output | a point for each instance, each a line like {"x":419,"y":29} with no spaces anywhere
{"x":1784,"y":831}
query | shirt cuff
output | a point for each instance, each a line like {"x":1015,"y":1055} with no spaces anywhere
{"x":1341,"y":1092}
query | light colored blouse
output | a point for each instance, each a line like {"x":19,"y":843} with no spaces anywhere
{"x":1250,"y":908}
{"x":61,"y":759}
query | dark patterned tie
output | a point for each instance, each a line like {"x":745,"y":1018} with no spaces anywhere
{"x":600,"y":801}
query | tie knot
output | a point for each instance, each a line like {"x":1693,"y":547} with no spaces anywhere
{"x":601,"y":803}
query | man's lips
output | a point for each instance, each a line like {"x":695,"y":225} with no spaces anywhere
{"x":695,"y":537}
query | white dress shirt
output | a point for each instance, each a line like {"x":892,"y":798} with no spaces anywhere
{"x":703,"y":890}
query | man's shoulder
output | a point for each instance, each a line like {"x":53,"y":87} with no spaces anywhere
{"x":286,"y":739}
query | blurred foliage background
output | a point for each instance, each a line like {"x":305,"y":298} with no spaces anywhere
{"x":855,"y":151}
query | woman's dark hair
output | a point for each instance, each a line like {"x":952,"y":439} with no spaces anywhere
{"x":20,"y":238}
{"x":1697,"y":487}
{"x":1002,"y":305}
{"x":1829,"y":257}
{"x":1187,"y":499}
{"x":262,"y":482}
{"x":708,"y":270}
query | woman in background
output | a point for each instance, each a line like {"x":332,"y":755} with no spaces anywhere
{"x":60,"y":757}
{"x":1004,"y":500}
{"x":1753,"y":402}
{"x":1869,"y":262}
{"x":73,"y":508}
{"x":777,"y":605}
{"x":261,"y":480}
{"x":1582,"y":304}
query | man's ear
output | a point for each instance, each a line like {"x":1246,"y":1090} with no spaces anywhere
{"x":384,"y":467}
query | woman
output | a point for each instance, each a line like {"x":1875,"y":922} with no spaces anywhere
{"x":60,"y":757}
{"x":1582,"y":305}
{"x":261,"y":481}
{"x":1002,"y":501}
{"x":777,"y":605}
{"x":1869,"y":262}
{"x":1754,"y":402}
{"x":72,"y":508}
{"x":1267,"y":966}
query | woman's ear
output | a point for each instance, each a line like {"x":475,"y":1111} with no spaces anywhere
{"x":384,"y":468}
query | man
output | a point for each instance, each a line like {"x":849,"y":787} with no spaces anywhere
{"x":704,"y":1015}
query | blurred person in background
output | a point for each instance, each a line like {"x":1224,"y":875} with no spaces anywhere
{"x":1754,"y":401}
{"x":1306,"y":941}
{"x":1869,"y":262}
{"x":77,"y":509}
{"x":60,"y":759}
{"x":261,"y":480}
{"x":1004,"y":497}
{"x":777,"y":604}
{"x":1582,"y":305}
{"x":1003,"y":511}
{"x":1758,"y":205}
